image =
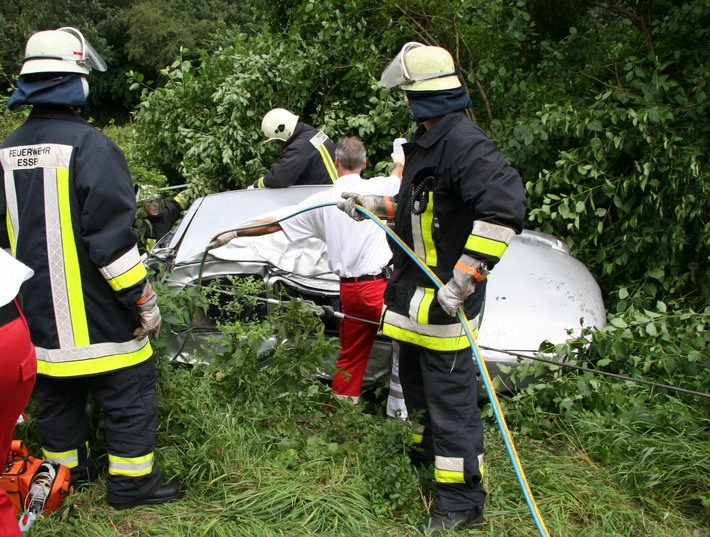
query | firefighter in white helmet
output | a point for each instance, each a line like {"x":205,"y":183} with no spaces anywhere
{"x":307,"y":154}
{"x":68,"y":206}
{"x":458,"y":208}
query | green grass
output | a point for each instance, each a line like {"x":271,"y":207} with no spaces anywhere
{"x":251,"y":470}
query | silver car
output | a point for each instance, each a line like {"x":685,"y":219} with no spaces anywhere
{"x":538,"y":292}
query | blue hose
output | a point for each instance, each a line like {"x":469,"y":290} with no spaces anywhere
{"x":483,"y":369}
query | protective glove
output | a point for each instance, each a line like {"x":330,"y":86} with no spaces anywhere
{"x":380,"y":206}
{"x":148,"y":313}
{"x":467,"y":273}
{"x":259,"y":183}
{"x":397,"y":151}
{"x":221,"y":240}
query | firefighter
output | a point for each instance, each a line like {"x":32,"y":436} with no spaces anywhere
{"x":68,"y":208}
{"x":458,"y":208}
{"x":159,"y":219}
{"x":307,"y":154}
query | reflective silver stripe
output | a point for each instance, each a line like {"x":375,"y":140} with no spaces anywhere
{"x":28,"y":157}
{"x":130,"y":466}
{"x":417,"y":238}
{"x":450,"y":464}
{"x":11,"y":201}
{"x":433,"y":330}
{"x":70,"y":459}
{"x":416,"y":302}
{"x":123,"y":264}
{"x":493,"y":231}
{"x":55,"y":259}
{"x":89,"y":352}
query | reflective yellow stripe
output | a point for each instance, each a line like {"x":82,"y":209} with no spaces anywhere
{"x":128,"y":278}
{"x":418,"y":435}
{"x":428,"y":342}
{"x":10,"y":233}
{"x":182,"y":200}
{"x":448,"y":476}
{"x":486,"y":246}
{"x":427,"y":229}
{"x":70,"y":458}
{"x":425,"y":305}
{"x":75,"y":292}
{"x":93,"y":366}
{"x":328,"y":161}
{"x":448,"y":469}
{"x":130,"y":466}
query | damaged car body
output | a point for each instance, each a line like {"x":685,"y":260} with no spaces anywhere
{"x":537,"y":293}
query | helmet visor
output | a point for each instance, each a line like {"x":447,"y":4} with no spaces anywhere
{"x":89,"y":57}
{"x":396,"y":72}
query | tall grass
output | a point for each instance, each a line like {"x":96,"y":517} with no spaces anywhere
{"x":342,"y":475}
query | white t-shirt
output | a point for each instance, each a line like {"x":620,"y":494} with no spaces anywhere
{"x":354,"y":248}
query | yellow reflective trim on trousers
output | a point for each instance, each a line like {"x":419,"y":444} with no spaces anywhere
{"x":128,"y":278}
{"x":70,"y":458}
{"x":448,"y":476}
{"x":328,"y":162}
{"x":130,"y":466}
{"x":94,"y":366}
{"x":485,"y":246}
{"x":428,"y":342}
{"x":75,"y":291}
{"x":427,"y":228}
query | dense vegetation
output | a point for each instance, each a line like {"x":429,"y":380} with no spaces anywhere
{"x":601,"y":105}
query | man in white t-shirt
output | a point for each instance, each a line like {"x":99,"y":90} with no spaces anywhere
{"x":357,"y":252}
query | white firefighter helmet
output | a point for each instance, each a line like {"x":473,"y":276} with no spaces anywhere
{"x":418,"y":67}
{"x":279,"y":124}
{"x":60,"y":51}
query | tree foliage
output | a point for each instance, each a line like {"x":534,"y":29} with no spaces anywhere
{"x":143,"y":35}
{"x":605,"y":119}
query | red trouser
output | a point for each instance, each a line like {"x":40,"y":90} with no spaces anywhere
{"x":363,"y":300}
{"x":18,"y":366}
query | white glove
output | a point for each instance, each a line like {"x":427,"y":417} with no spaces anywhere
{"x":148,"y":313}
{"x":467,"y":272}
{"x":381,"y":206}
{"x":221,"y":240}
{"x":397,"y":151}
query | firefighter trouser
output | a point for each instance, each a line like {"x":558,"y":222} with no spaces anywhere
{"x":361,"y":299}
{"x":441,"y":387}
{"x":129,"y":400}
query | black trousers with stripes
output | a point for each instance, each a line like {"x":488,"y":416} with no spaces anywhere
{"x":440,"y":390}
{"x":129,"y":401}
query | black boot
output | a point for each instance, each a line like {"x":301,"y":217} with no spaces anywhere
{"x":453,"y":520}
{"x":165,"y":493}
